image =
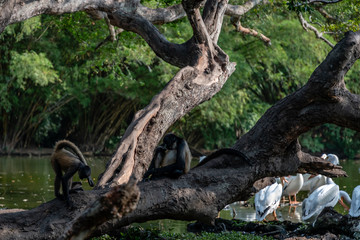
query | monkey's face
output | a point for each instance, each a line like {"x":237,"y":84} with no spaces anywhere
{"x":170,"y":141}
{"x":85,"y":172}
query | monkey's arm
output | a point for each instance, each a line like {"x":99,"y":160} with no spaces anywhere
{"x":181,"y":154}
{"x":155,"y":162}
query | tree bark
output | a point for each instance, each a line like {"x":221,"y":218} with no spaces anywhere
{"x":271,"y":145}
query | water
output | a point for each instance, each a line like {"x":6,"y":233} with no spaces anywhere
{"x":293,"y":213}
{"x":28,"y":182}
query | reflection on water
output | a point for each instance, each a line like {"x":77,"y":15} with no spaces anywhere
{"x":247,"y":213}
{"x":28,"y":182}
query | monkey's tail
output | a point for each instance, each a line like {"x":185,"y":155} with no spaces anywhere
{"x":66,"y":143}
{"x":221,"y":151}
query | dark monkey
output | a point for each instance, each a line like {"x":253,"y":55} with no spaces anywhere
{"x":171,"y":159}
{"x":68,"y":162}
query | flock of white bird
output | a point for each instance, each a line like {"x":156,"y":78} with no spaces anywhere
{"x":323,"y":192}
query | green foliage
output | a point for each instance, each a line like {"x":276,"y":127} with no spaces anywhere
{"x":340,"y":18}
{"x":330,"y":138}
{"x":161,"y":3}
{"x":299,"y":6}
{"x":64,"y":66}
{"x":137,"y":233}
{"x":312,"y":142}
{"x":347,"y":17}
{"x":28,"y":27}
{"x":30,"y":65}
{"x":60,"y":72}
{"x":104,"y":237}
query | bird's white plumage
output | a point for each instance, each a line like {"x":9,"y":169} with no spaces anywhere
{"x":355,"y":203}
{"x":294,"y":185}
{"x":307,"y":182}
{"x":324,"y":196}
{"x":316,"y":182}
{"x":313,"y":182}
{"x":267,"y":200}
{"x":331,"y":158}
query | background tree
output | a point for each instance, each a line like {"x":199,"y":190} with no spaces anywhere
{"x":113,"y":73}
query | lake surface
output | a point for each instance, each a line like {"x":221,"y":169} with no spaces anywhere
{"x":28,"y":182}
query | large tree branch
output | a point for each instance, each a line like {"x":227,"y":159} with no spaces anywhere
{"x":317,"y":165}
{"x":186,"y":90}
{"x":330,"y":73}
{"x":162,"y":15}
{"x":175,"y":54}
{"x":13,"y":11}
{"x":201,"y":34}
{"x":240,"y":10}
{"x":213,"y":15}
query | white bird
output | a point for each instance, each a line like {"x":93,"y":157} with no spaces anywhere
{"x":307,"y":182}
{"x":324,"y":196}
{"x":316,"y":182}
{"x":293,"y":187}
{"x":354,"y":210}
{"x":331,"y":158}
{"x":312,"y":182}
{"x":267,"y":200}
{"x":344,"y":196}
{"x":355,"y":203}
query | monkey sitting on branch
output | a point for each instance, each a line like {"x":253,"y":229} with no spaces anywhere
{"x":68,"y":162}
{"x":171,"y":159}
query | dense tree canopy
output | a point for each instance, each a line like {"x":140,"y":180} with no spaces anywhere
{"x":83,"y":74}
{"x":99,"y":62}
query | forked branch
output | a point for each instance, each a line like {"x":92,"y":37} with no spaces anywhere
{"x":307,"y":26}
